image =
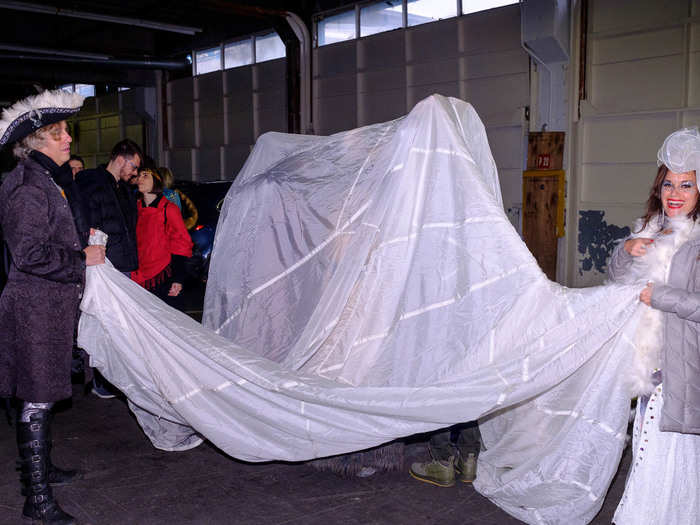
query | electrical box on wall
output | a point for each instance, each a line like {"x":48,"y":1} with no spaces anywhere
{"x":545,"y":29}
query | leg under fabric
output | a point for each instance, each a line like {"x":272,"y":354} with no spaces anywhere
{"x":34,"y":445}
{"x":440,"y":445}
{"x":440,"y":470}
{"x":468,"y":439}
{"x":463,"y":439}
{"x":468,"y":444}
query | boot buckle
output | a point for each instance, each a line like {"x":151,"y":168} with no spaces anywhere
{"x":36,"y":458}
{"x":34,"y":427}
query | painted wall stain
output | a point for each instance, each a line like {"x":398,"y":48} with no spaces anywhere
{"x":596,"y":240}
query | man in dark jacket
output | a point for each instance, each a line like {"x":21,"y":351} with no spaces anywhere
{"x":39,"y":304}
{"x":110,"y":204}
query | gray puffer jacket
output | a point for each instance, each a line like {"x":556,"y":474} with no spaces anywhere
{"x":679,"y":299}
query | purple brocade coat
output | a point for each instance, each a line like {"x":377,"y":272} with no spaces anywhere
{"x":39,"y":304}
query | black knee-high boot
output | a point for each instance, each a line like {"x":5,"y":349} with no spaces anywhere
{"x":57,"y":476}
{"x":33,"y":444}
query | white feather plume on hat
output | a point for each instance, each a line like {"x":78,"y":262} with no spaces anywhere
{"x":34,"y":112}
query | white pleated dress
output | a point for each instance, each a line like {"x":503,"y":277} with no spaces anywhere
{"x":664,"y":478}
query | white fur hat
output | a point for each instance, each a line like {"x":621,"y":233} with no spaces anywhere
{"x":28,"y":115}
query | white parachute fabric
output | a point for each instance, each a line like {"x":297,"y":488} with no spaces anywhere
{"x":352,"y":248}
{"x":369,"y":286}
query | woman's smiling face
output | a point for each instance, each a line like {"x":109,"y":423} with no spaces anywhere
{"x":679,"y":193}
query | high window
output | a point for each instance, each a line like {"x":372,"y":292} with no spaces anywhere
{"x":336,"y":28}
{"x":422,"y":11}
{"x":473,"y":6}
{"x":86,"y":90}
{"x":384,"y":16}
{"x":256,"y":48}
{"x":238,"y":53}
{"x":207,"y":60}
{"x":371,"y":18}
{"x":269,"y":47}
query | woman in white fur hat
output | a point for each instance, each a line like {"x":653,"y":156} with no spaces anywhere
{"x":39,"y":304}
{"x":664,"y":248}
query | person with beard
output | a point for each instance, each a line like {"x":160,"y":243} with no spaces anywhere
{"x":110,"y":206}
{"x":39,"y":304}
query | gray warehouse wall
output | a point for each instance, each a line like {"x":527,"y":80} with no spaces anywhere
{"x":477,"y":58}
{"x":642,"y":83}
{"x":214,"y":119}
{"x":105,"y":120}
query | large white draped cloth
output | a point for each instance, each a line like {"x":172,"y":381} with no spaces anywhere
{"x":367,"y":286}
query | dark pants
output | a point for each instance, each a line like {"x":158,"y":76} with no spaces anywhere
{"x":161,"y":291}
{"x":465,"y":437}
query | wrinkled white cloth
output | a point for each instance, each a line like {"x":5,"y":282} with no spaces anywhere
{"x":368,"y":286}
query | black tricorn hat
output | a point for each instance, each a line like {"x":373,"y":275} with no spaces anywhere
{"x":27,"y":115}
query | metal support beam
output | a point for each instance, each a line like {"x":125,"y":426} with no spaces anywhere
{"x":49,"y":10}
{"x":142,"y":64}
{"x":56,"y":52}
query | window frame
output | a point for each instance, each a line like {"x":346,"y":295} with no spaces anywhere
{"x":252,"y":37}
{"x":73,"y":88}
{"x":251,"y":41}
{"x":328,"y":14}
{"x":460,"y":4}
{"x":255,"y":50}
{"x":358,"y":20}
{"x":220,"y":47}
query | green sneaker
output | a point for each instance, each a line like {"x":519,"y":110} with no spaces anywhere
{"x":466,"y":468}
{"x":440,"y":473}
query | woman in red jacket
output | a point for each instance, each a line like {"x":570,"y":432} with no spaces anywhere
{"x":162,"y":240}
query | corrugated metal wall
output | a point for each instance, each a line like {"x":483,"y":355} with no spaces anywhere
{"x":103,"y":121}
{"x":643,"y":82}
{"x":214,"y":119}
{"x":477,"y":58}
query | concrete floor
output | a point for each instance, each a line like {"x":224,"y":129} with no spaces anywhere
{"x":127,"y":481}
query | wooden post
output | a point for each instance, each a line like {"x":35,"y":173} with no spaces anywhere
{"x":544,"y":186}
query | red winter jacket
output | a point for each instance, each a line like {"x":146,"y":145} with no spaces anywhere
{"x":160,"y":233}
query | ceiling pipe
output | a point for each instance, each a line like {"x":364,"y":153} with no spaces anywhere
{"x":57,"y":52}
{"x":142,"y":64}
{"x":302,"y":34}
{"x":49,"y":10}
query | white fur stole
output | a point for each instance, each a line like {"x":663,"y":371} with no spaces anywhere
{"x":654,"y":267}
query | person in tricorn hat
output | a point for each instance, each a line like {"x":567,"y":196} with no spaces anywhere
{"x":39,"y":304}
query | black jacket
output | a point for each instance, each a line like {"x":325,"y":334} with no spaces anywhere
{"x":111,"y":207}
